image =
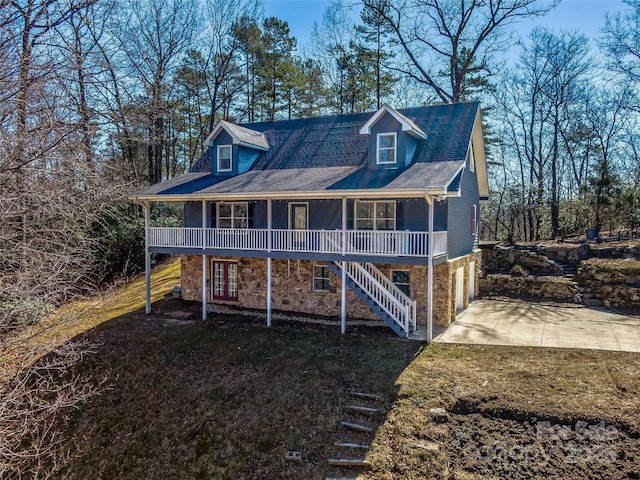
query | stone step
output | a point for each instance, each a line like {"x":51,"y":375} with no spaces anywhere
{"x":352,"y":445}
{"x":357,"y":427}
{"x":362,"y":410}
{"x":348,"y":462}
{"x":368,"y":396}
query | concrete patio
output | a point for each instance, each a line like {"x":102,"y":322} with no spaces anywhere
{"x":496,"y":322}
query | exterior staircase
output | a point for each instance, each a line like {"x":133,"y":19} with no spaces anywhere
{"x":381,"y":295}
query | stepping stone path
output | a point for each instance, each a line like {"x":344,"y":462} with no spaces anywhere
{"x":358,"y":430}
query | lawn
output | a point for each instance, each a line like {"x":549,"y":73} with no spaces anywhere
{"x":227,"y":399}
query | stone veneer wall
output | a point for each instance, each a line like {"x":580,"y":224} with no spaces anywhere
{"x":444,"y":286}
{"x":292,"y":287}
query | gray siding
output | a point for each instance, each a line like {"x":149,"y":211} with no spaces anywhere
{"x":411,"y":214}
{"x":246,"y":158}
{"x":193,"y":215}
{"x":405,"y":148}
{"x":460,"y":238}
{"x":440,"y":216}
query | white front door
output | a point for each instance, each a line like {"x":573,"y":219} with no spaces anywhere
{"x":472,"y":281}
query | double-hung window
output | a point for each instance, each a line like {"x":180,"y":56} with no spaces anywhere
{"x":233,"y":215}
{"x":375,"y":215}
{"x":386,"y":148}
{"x":320,"y":278}
{"x":224,"y":158}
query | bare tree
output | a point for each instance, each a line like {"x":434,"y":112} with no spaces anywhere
{"x":448,"y":44}
{"x":542,"y":102}
{"x":153,"y":34}
{"x":621,"y":42}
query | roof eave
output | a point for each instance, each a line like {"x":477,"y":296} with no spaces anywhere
{"x":293,"y":195}
{"x":252,"y":146}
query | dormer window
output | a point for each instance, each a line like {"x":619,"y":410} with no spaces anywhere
{"x":386,"y":151}
{"x":224,"y":158}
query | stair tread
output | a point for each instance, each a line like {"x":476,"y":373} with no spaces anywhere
{"x":363,"y":410}
{"x":370,"y":302}
{"x":363,"y":446}
{"x":348,"y":461}
{"x":356,"y":426}
{"x":370,"y":396}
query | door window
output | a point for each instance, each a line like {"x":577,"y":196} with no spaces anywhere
{"x":225,"y":280}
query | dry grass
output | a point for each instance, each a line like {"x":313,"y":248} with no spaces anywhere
{"x":227,"y":399}
{"x":224,"y":400}
{"x":497,"y":395}
{"x":77,"y":317}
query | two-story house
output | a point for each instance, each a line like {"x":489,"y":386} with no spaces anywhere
{"x":362,"y":216}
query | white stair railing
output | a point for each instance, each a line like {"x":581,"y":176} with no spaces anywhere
{"x":393,"y":289}
{"x":401,"y":311}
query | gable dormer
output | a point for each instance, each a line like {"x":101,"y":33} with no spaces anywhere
{"x":393,"y":139}
{"x":233,"y":149}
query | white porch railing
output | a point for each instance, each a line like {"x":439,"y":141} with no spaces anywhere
{"x":360,"y":242}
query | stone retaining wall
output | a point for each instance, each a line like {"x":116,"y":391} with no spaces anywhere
{"x":508,"y":259}
{"x":615,"y":283}
{"x":549,"y":287}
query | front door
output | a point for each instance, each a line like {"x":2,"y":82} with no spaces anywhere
{"x":299,"y":216}
{"x":299,"y":221}
{"x":225,"y":280}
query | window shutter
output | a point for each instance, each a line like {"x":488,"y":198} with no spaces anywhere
{"x":400,"y":215}
{"x":250,"y":214}
{"x":214,"y":210}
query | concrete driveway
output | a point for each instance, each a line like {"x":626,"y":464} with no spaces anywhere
{"x":496,"y":322}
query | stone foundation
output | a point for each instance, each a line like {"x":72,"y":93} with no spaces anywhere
{"x":444,"y":287}
{"x":293,"y":290}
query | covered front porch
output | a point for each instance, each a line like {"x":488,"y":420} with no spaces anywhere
{"x":380,"y":229}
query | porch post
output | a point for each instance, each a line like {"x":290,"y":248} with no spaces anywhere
{"x":343,"y":312}
{"x":269,"y":261}
{"x":204,"y":287}
{"x":204,"y":261}
{"x":147,"y":257}
{"x":430,"y":272}
{"x":344,"y":225}
{"x":343,"y":323}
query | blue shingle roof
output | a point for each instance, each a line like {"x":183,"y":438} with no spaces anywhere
{"x":309,"y":146}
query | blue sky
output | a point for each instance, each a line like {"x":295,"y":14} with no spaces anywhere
{"x":586,"y":16}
